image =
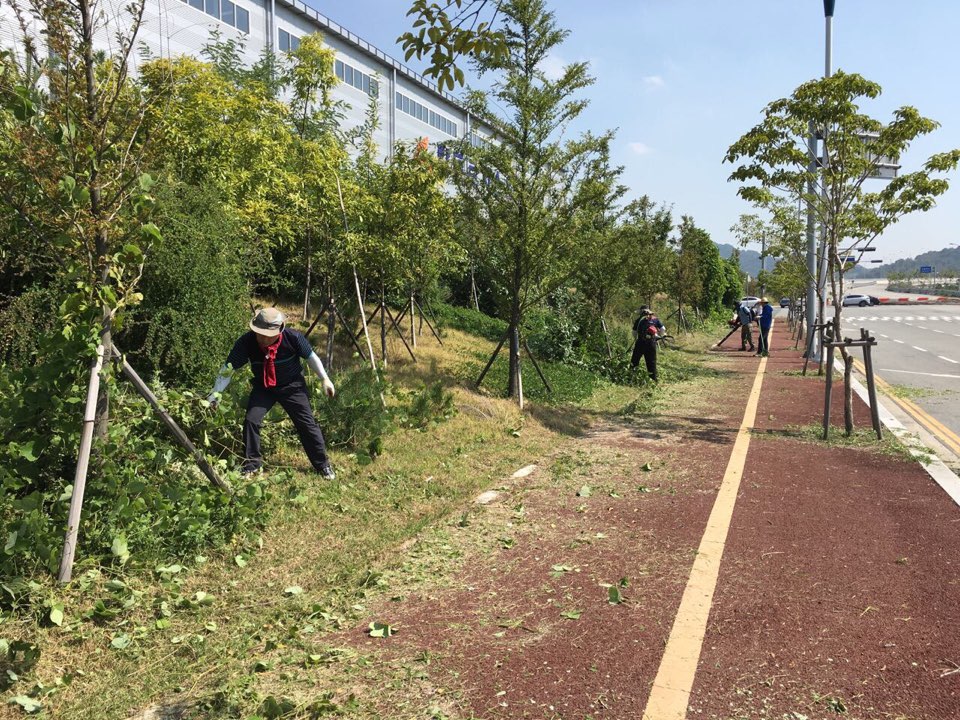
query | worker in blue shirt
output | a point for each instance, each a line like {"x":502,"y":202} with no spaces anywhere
{"x":766,"y":322}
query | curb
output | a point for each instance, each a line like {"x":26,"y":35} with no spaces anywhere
{"x":936,"y":469}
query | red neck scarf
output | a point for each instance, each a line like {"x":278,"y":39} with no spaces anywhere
{"x":269,"y":367}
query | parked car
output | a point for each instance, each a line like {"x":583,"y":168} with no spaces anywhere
{"x":859,"y":300}
{"x":784,"y":302}
{"x":749,"y":301}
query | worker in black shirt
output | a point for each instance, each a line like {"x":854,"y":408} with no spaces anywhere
{"x":646,"y":329}
{"x":274,"y":354}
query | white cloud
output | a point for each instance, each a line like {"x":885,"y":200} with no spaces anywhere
{"x":653,"y":81}
{"x":640,"y":148}
{"x":552,"y":66}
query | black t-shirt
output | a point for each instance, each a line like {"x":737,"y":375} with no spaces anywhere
{"x":293,"y":346}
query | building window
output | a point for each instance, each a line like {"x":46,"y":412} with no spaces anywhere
{"x":288,"y":42}
{"x":356,"y":78}
{"x":243,"y":20}
{"x":426,"y":115}
{"x":224,"y":10}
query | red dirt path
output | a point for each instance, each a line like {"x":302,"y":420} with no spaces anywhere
{"x":839,"y":588}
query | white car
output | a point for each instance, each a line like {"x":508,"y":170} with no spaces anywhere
{"x":749,"y":301}
{"x":858,"y":300}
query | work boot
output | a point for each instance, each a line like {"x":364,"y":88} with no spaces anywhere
{"x":326,"y":472}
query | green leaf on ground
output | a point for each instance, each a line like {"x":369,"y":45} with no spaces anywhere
{"x":240,"y":560}
{"x":119,"y":549}
{"x":381,"y":630}
{"x":120,"y":642}
{"x":293,"y":590}
{"x":203,"y":598}
{"x":643,"y":489}
{"x":585,"y":491}
{"x":647,"y":467}
{"x":571,"y":614}
{"x":507,"y":542}
{"x":614,"y":596}
{"x":56,"y":614}
{"x":27,"y":704}
{"x":624,"y":582}
{"x":559,"y":570}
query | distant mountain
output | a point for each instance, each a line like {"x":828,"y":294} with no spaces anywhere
{"x":749,"y":259}
{"x":942,"y":260}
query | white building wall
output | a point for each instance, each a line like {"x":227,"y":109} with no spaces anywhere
{"x":177,"y":27}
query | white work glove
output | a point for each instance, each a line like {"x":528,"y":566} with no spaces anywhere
{"x":214,"y":400}
{"x":328,"y":388}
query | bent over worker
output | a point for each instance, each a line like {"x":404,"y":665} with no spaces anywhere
{"x":646,"y":329}
{"x":274,"y":354}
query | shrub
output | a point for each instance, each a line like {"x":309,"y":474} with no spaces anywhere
{"x":143,"y":491}
{"x":470,"y":321}
{"x":195,"y":290}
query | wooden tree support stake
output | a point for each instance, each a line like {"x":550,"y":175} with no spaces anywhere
{"x":424,"y":316}
{"x":537,"y":367}
{"x":175,"y":430}
{"x":399,"y":331}
{"x":492,"y":358}
{"x":80,"y":474}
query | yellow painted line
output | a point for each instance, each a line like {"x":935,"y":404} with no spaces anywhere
{"x":934,"y":426}
{"x":670,"y":695}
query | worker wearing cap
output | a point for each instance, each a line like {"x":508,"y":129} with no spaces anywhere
{"x":766,"y":322}
{"x":274,"y":354}
{"x":646,"y":329}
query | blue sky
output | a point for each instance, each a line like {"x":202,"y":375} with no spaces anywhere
{"x":681,"y":80}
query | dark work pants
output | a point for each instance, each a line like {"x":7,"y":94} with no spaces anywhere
{"x":648,"y":351}
{"x":292,"y":398}
{"x":764,"y":340}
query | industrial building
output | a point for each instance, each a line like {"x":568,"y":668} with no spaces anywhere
{"x":410,"y":106}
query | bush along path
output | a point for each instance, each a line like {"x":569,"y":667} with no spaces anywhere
{"x":556,"y":596}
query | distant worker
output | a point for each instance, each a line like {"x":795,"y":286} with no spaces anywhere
{"x":274,"y":354}
{"x":766,"y":322}
{"x":646,"y":329}
{"x":746,"y":318}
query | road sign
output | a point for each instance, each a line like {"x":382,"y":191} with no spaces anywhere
{"x":926,"y":268}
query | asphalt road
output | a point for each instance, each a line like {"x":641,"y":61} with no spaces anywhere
{"x":918,"y":349}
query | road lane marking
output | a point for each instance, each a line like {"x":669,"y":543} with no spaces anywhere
{"x":934,"y":426}
{"x":898,"y":341}
{"x":918,"y":348}
{"x":882,"y":335}
{"x":670,"y":694}
{"x":949,"y":360}
{"x":925,"y":374}
{"x":922,"y":327}
{"x":940,"y":331}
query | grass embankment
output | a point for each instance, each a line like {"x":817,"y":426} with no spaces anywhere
{"x":206,"y":632}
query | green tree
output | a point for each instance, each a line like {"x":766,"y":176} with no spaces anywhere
{"x":72,"y":172}
{"x":447,"y":31}
{"x":773,"y":165}
{"x":700,"y":279}
{"x":529,"y":186}
{"x":651,"y":263}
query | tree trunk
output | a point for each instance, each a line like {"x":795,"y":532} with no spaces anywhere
{"x":413,"y":322}
{"x":847,"y":392}
{"x":513,"y":386}
{"x":306,"y":292}
{"x":383,"y":324}
{"x":331,"y":328}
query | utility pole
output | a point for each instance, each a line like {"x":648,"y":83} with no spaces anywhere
{"x":763,"y":263}
{"x":817,"y":275}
